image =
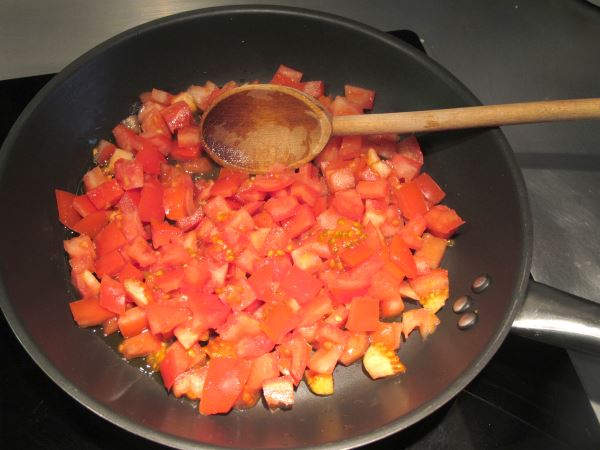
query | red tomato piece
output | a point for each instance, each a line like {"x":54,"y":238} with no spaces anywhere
{"x":410,"y":148}
{"x":412,"y":231}
{"x":325,"y":359}
{"x":300,"y":285}
{"x":112,"y":295}
{"x":151,"y":202}
{"x":405,"y":168}
{"x":372,"y":189}
{"x":164,"y":233}
{"x":162,"y":318}
{"x":363,"y":314}
{"x":132,"y":322}
{"x":93,"y":178}
{"x":103,"y":152}
{"x":110,"y":264}
{"x":388,"y":334}
{"x":162,"y":97}
{"x":110,"y":238}
{"x":208,"y":310}
{"x":420,"y":318}
{"x":83,"y":206}
{"x":341,"y":106}
{"x":361,"y":97}
{"x":357,"y":254}
{"x":175,"y":363}
{"x":340,"y":179}
{"x":188,"y":137}
{"x":302,"y":221}
{"x":264,"y":367}
{"x":402,"y":256}
{"x":355,"y":348}
{"x":349,"y":204}
{"x":177,"y":115}
{"x":141,"y":252}
{"x":189,"y":153}
{"x":150,"y":159}
{"x":411,"y":200}
{"x":430,"y":189}
{"x":105,"y":195}
{"x":286,"y":76}
{"x":281,"y":208}
{"x":280,"y":319}
{"x":254,"y":346}
{"x":129,"y":271}
{"x":350,"y":147}
{"x":314,"y":88}
{"x":142,"y":344}
{"x":224,"y":382}
{"x":88,"y":312}
{"x":432,"y":251}
{"x":272,"y":182}
{"x":129,"y":174}
{"x":67,"y":214}
{"x":443,"y":221}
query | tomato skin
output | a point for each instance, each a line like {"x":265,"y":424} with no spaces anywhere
{"x":83,"y":206}
{"x":355,"y":348}
{"x":443,"y":221}
{"x":411,"y":200}
{"x":361,"y":97}
{"x":223,"y":385}
{"x":279,"y":320}
{"x":105,"y":195}
{"x":110,"y":264}
{"x":142,"y":344}
{"x":150,"y":159}
{"x":363,"y":314}
{"x":282,"y":207}
{"x":374,"y":189}
{"x":432,"y":251}
{"x":110,"y":238}
{"x":430,"y":189}
{"x":302,"y":221}
{"x":300,"y":285}
{"x":263,"y":368}
{"x":286,"y":76}
{"x":314,"y":88}
{"x":162,"y":318}
{"x":67,"y":215}
{"x":177,"y":115}
{"x":151,"y":202}
{"x":132,"y":322}
{"x":112,"y":295}
{"x":87,"y":312}
{"x":325,"y":359}
{"x":175,"y":363}
{"x":402,"y":256}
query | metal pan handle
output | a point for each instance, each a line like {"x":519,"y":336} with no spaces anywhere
{"x":559,"y":318}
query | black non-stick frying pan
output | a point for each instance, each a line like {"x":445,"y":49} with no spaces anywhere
{"x":49,"y":147}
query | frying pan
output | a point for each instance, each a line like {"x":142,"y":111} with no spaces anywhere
{"x":49,"y":147}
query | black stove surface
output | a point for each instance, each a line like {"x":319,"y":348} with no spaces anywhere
{"x":528,"y":396}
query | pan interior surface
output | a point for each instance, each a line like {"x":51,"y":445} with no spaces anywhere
{"x":50,"y":147}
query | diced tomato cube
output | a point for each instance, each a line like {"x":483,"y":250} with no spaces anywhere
{"x":67,"y":214}
{"x":363,"y":314}
{"x":349,"y":204}
{"x":361,"y":97}
{"x":88,"y":312}
{"x":175,"y":363}
{"x":314,"y":88}
{"x":300,"y":285}
{"x":443,"y":221}
{"x":302,"y":221}
{"x":105,"y":195}
{"x":83,"y":205}
{"x":411,"y":200}
{"x":350,"y":147}
{"x":177,"y":115}
{"x":430,"y":189}
{"x":286,"y":76}
{"x":223,"y":385}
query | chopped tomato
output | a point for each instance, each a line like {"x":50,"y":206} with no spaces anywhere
{"x":245,"y":285}
{"x":363,"y":314}
{"x":224,"y":382}
{"x":88,"y":312}
{"x":443,"y":221}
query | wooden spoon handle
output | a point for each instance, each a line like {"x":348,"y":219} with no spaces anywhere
{"x":469,"y":117}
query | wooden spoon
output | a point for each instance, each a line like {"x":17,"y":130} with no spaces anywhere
{"x":257,"y":127}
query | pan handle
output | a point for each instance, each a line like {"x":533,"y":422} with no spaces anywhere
{"x":559,"y":318}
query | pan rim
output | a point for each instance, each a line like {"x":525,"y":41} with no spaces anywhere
{"x":470,"y":99}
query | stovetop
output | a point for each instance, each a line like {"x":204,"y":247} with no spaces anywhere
{"x":528,"y":396}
